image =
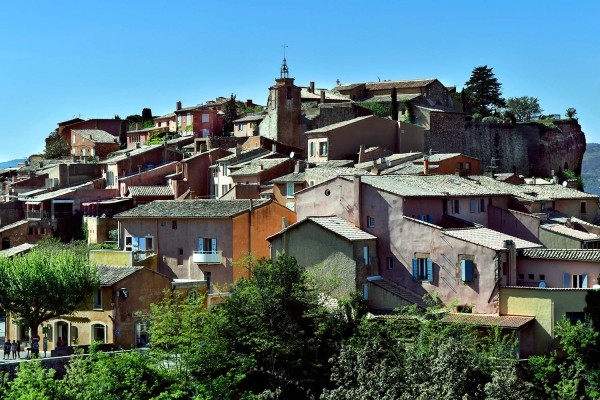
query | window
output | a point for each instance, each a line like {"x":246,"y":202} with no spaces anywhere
{"x":573,"y":317}
{"x":98,"y":299}
{"x":505,"y":268}
{"x":426,"y":218}
{"x":289,"y":189}
{"x":98,"y":333}
{"x":205,"y":118}
{"x":542,"y":277}
{"x":466,"y":270}
{"x":224,"y":189}
{"x":455,"y":206}
{"x":583,"y":207}
{"x":371,"y":221}
{"x":224,"y":169}
{"x":366,"y":255}
{"x":179,"y":256}
{"x":179,"y":120}
{"x":422,"y":269}
{"x":575,"y":281}
{"x":208,"y":278}
{"x":164,"y":223}
{"x":240,"y":127}
{"x":174,"y":225}
{"x":207,"y":245}
{"x":459,"y":165}
{"x":134,"y":243}
{"x":74,"y":140}
{"x":390,"y":263}
{"x":205,"y":132}
{"x":472,"y":205}
{"x":311,"y":183}
{"x":189,"y":118}
{"x":323,"y":148}
{"x":521,"y":277}
{"x":312,"y":149}
{"x":468,"y":166}
{"x":481,"y":205}
{"x":327,"y":192}
{"x":530,"y":277}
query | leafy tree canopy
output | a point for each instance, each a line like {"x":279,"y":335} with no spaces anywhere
{"x":521,"y":106}
{"x":230,"y":114}
{"x":379,"y":110}
{"x":56,"y":146}
{"x":571,"y":112}
{"x":483,"y":92}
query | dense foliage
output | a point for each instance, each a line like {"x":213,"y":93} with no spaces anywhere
{"x":230,"y":114}
{"x":279,"y":337}
{"x":56,"y":146}
{"x":379,"y":110}
{"x":483,"y":92}
{"x":521,"y":106}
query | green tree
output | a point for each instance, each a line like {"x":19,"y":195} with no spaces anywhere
{"x":379,"y":110}
{"x":32,"y":381}
{"x":42,"y":285}
{"x":394,"y":104}
{"x":483,"y":92}
{"x":230,"y":114}
{"x":146,"y":114}
{"x":571,"y":112}
{"x":56,"y":146}
{"x":521,"y":106}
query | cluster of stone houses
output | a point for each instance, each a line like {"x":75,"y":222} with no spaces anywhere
{"x":318,"y":177}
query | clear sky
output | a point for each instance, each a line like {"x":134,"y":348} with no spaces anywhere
{"x":61,"y":59}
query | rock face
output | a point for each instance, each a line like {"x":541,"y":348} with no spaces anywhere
{"x":527,"y":149}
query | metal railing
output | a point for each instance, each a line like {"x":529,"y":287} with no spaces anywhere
{"x":207,"y":257}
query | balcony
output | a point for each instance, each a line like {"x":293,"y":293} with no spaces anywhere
{"x":207,"y":257}
{"x":34,"y":214}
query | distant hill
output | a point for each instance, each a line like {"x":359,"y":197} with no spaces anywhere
{"x":11,"y":163}
{"x":590,"y":169}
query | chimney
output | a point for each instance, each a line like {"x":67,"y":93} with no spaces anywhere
{"x":283,"y":222}
{"x":514,"y":170}
{"x":311,"y":89}
{"x":572,"y":183}
{"x":202,"y":147}
{"x":356,"y":193}
{"x":375,"y":171}
{"x":297,"y":166}
{"x":274,"y":148}
{"x":138,"y":145}
{"x":192,"y":195}
{"x":361,"y":153}
{"x":178,"y":106}
{"x":322,"y":97}
{"x":260,"y":167}
{"x":238,"y":150}
{"x":533,"y":180}
{"x":512,"y":262}
{"x":138,"y":126}
{"x":249,"y":103}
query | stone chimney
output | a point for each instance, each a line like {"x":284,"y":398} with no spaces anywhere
{"x":356,"y":195}
{"x":249,"y":103}
{"x":202,"y":147}
{"x":274,"y":148}
{"x":238,"y":150}
{"x":178,"y":106}
{"x":322,"y":97}
{"x":512,"y":262}
{"x":361,"y":153}
{"x":311,"y":87}
{"x":138,"y":126}
{"x":425,"y":165}
{"x":297,"y":166}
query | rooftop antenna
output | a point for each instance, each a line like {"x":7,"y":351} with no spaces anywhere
{"x":493,"y":165}
{"x":284,"y":68}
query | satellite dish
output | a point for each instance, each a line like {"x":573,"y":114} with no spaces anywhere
{"x":292,"y":155}
{"x":564,"y":183}
{"x":542,"y":284}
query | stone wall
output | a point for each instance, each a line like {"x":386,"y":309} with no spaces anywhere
{"x":11,"y":211}
{"x":528,"y":149}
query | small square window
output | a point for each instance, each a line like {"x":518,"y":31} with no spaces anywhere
{"x":164,"y":223}
{"x":174,"y":224}
{"x":542,"y":277}
{"x":459,"y":165}
{"x":521,"y":277}
{"x":180,"y":252}
{"x":468,"y":166}
{"x":531,"y":277}
{"x":205,"y":117}
{"x":583,"y":207}
{"x":371,"y":222}
{"x":390,"y":263}
{"x":323,"y":148}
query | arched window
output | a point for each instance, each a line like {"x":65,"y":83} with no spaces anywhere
{"x":98,"y":332}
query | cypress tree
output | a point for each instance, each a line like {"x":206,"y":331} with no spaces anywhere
{"x":394,"y":104}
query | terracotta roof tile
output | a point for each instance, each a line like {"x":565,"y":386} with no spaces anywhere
{"x":591,"y":255}
{"x":96,"y":135}
{"x":489,"y":238}
{"x":489,"y":320}
{"x":192,"y":209}
{"x":145,"y":191}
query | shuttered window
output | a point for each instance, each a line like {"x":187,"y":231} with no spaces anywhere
{"x":422,"y":269}
{"x":466,"y":270}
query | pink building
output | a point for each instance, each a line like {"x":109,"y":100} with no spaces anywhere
{"x":199,"y":121}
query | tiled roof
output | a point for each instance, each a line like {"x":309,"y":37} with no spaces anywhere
{"x":592,"y":255}
{"x":35,"y":165}
{"x":539,"y":288}
{"x":257,"y":166}
{"x":338,"y":125}
{"x":150,"y":191}
{"x":399,"y":157}
{"x":336,"y":164}
{"x":532,"y":192}
{"x":489,"y":238}
{"x":253,"y":152}
{"x":293,"y":177}
{"x":574,"y":233}
{"x":20,"y":249}
{"x":60,"y":192}
{"x":400,"y":291}
{"x":403,"y":84}
{"x":13,"y":225}
{"x":122,"y":154}
{"x":251,"y":117}
{"x":336,"y":225}
{"x":430,"y":185}
{"x":408,"y":168}
{"x":329,"y":94}
{"x":503,"y":176}
{"x":96,"y":135}
{"x":441,"y":157}
{"x":169,"y":115}
{"x":327,"y":173}
{"x":386,"y":98}
{"x":503,"y":321}
{"x":154,"y":128}
{"x":437,"y":108}
{"x":347,"y":86}
{"x":192,"y":209}
{"x":109,"y":274}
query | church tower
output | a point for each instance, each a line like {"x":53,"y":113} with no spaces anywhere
{"x":283,"y":120}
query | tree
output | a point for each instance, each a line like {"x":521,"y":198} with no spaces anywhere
{"x":230,"y":114}
{"x":571,"y":112}
{"x":394,"y":104}
{"x":42,"y":285}
{"x":56,"y":146}
{"x":483,"y":92}
{"x":521,"y":106}
{"x":379,"y":110}
{"x":146,"y":114}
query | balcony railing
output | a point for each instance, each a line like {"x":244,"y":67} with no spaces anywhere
{"x":207,"y":257}
{"x":139,"y":255}
{"x":34,"y":214}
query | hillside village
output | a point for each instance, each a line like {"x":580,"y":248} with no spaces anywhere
{"x":393,"y":209}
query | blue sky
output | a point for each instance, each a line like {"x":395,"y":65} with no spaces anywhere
{"x":96,"y":59}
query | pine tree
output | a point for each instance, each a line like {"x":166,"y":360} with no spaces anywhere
{"x":230,"y":114}
{"x":146,"y":114}
{"x":483,"y":92}
{"x":394,"y":104}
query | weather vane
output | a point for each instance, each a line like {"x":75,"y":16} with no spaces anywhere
{"x":284,"y":68}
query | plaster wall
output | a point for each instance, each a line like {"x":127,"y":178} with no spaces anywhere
{"x":523,"y":226}
{"x":553,"y":271}
{"x":572,"y":207}
{"x":553,"y":240}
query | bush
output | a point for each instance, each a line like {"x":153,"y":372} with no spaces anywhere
{"x":571,"y":112}
{"x":477,"y":117}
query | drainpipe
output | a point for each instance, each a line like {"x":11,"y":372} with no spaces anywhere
{"x":356,"y":195}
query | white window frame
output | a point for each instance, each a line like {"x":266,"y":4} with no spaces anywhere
{"x":312,"y":146}
{"x":93,"y":325}
{"x":311,"y":183}
{"x":97,"y":305}
{"x":323,"y":150}
{"x":205,"y":118}
{"x":366,"y":255}
{"x":289,"y":193}
{"x":371,"y":221}
{"x":189,"y":118}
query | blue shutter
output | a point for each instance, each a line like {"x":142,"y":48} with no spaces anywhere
{"x":566,"y":280}
{"x":135,"y":243}
{"x":466,"y":267}
{"x":452,"y":203}
{"x":142,"y":242}
{"x":415,"y":269}
{"x":472,"y":205}
{"x":214,"y":245}
{"x":430,"y":219}
{"x":429,"y":270}
{"x":585,"y":285}
{"x":200,"y":244}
